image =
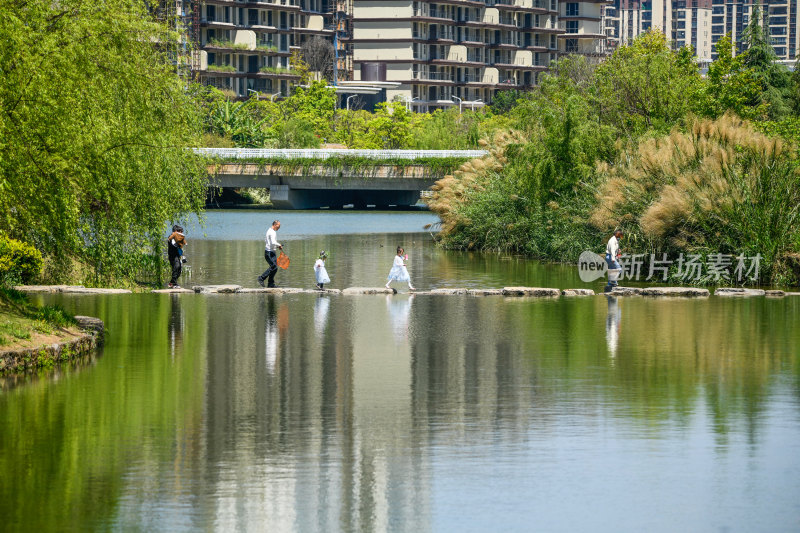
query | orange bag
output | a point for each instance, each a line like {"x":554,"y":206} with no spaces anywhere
{"x":283,"y":260}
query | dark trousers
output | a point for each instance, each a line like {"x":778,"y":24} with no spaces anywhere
{"x":175,"y":263}
{"x":269,"y":274}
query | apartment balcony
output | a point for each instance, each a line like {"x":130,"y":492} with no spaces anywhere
{"x":504,"y":44}
{"x":539,"y":7}
{"x":565,"y":18}
{"x":277,"y":73}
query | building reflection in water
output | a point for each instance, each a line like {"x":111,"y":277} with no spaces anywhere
{"x":316,"y":438}
{"x":613,"y":325}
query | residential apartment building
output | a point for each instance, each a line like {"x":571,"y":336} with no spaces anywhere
{"x":437,"y":53}
{"x":701,"y":23}
{"x":583,"y":27}
{"x":450,"y":52}
{"x":245,"y":46}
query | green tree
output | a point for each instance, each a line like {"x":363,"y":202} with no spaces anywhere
{"x":645,"y":85}
{"x":773,"y":78}
{"x":732,"y":86}
{"x":94,"y":126}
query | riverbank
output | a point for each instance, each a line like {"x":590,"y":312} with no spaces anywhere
{"x":34,"y":337}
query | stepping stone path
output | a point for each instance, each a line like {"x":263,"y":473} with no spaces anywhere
{"x":675,"y":291}
{"x":577,"y":292}
{"x":738,"y":291}
{"x":624,"y":291}
{"x":368,"y":290}
{"x":174,"y":291}
{"x":538,"y":292}
{"x":71,"y":289}
{"x":531,"y":291}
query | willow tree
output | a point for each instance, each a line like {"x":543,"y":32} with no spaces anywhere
{"x":94,"y":122}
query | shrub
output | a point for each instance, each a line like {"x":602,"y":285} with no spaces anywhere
{"x":19,"y":261}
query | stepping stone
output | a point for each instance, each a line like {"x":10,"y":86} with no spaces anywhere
{"x":173,"y":291}
{"x":369,"y":290}
{"x":270,"y":290}
{"x":85,"y":290}
{"x":774,"y":294}
{"x":792,"y":293}
{"x":447,"y":291}
{"x":738,"y":291}
{"x":40,"y":288}
{"x":531,"y":291}
{"x":685,"y":292}
{"x":577,"y":292}
{"x":216,"y":289}
{"x":485,"y":292}
{"x":624,"y":291}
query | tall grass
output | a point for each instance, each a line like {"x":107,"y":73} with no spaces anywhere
{"x":720,"y":187}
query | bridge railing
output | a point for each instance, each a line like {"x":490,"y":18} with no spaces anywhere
{"x":311,"y":153}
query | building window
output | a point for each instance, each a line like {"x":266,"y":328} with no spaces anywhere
{"x":572,"y":26}
{"x":571,"y":46}
{"x":572,"y":9}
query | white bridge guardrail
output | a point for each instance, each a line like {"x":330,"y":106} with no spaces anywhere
{"x":311,"y":153}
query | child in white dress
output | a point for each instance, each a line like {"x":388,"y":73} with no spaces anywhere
{"x":319,"y":270}
{"x":399,"y":272}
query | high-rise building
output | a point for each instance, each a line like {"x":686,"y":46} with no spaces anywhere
{"x":583,"y":27}
{"x":701,"y":23}
{"x":450,"y":52}
{"x":431,"y":53}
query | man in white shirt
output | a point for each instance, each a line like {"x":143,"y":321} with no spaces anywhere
{"x":271,"y":245}
{"x":613,"y":254}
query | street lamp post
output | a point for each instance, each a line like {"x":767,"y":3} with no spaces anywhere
{"x":348,"y":100}
{"x":459,"y":103}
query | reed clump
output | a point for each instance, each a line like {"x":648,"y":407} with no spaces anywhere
{"x":718,"y":187}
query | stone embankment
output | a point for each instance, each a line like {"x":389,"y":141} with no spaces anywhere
{"x":73,"y":347}
{"x":535,"y":292}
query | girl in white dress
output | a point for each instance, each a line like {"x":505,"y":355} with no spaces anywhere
{"x":399,"y":272}
{"x":319,"y":270}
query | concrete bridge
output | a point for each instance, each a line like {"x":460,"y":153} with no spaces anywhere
{"x":309,"y":179}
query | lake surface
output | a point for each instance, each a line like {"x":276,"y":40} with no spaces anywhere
{"x":302,"y":412}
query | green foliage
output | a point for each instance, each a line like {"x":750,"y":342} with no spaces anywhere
{"x":732,"y":86}
{"x":94,"y":129}
{"x":504,"y":101}
{"x":498,"y":219}
{"x":20,"y":262}
{"x":647,"y":85}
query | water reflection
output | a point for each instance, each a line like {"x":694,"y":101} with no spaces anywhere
{"x":399,"y":311}
{"x":613,"y":325}
{"x":321,"y":307}
{"x":306,"y":412}
{"x":176,"y":325}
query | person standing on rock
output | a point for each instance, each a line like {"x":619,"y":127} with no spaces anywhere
{"x":175,"y":243}
{"x":271,"y":245}
{"x":613,"y":254}
{"x":399,"y":272}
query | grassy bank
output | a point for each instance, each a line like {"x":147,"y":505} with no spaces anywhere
{"x":24,"y":325}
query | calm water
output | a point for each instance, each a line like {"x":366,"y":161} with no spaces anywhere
{"x":407,"y":413}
